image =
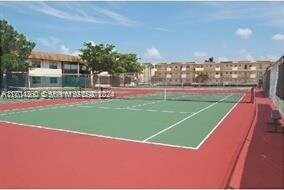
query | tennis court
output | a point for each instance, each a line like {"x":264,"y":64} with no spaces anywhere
{"x":174,"y":119}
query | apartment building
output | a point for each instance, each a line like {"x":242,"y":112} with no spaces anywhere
{"x":210,"y":73}
{"x":47,"y":69}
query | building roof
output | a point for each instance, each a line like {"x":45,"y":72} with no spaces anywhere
{"x":55,"y":57}
{"x":221,"y":62}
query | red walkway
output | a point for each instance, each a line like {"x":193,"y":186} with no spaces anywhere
{"x":261,"y":163}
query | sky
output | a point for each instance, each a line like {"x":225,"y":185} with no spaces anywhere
{"x":155,"y":31}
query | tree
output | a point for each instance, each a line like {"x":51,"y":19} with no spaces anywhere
{"x":14,"y":50}
{"x":100,"y":57}
{"x":129,"y":64}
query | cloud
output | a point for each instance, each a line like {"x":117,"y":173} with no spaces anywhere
{"x":120,"y":19}
{"x":49,"y":42}
{"x":64,"y":49}
{"x":54,"y":44}
{"x":200,"y":54}
{"x":95,"y":15}
{"x":152,"y":53}
{"x":269,"y":57}
{"x":48,"y":10}
{"x":249,"y":57}
{"x":278,"y":37}
{"x":262,"y":13}
{"x":244,"y":33}
{"x":219,"y":59}
{"x":246,"y":55}
{"x":76,"y":53}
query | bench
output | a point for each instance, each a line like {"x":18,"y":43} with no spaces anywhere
{"x":275,"y":124}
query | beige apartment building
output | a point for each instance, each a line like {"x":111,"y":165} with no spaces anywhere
{"x":209,"y":73}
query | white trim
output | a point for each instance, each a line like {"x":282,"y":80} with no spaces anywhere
{"x":186,"y":118}
{"x":217,"y":125}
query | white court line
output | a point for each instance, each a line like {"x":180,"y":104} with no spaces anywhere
{"x":152,"y":110}
{"x":145,"y":104}
{"x":217,"y":125}
{"x":95,"y":135}
{"x":134,"y":109}
{"x":168,"y":111}
{"x":190,"y":116}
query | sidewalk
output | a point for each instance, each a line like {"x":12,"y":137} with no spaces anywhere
{"x":261,"y":162}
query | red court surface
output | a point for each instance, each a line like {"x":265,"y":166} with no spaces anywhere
{"x":38,"y":103}
{"x":39,"y":158}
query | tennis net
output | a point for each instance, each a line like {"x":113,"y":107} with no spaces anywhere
{"x":245,"y":95}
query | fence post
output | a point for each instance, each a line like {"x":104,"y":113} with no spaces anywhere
{"x":92,"y":79}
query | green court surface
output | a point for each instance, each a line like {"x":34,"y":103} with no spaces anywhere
{"x":184,"y":124}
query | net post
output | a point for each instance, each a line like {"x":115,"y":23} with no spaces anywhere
{"x":165,"y":94}
{"x":252,"y":94}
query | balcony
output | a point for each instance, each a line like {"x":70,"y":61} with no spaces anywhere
{"x":252,"y":76}
{"x":234,"y":76}
{"x":168,"y":76}
{"x":253,"y":68}
{"x":217,"y":76}
{"x":217,"y":68}
{"x":234,"y":68}
{"x":45,"y":72}
{"x":199,"y":69}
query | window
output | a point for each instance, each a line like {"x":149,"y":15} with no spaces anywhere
{"x":36,"y":80}
{"x":52,"y":65}
{"x":70,"y":66}
{"x":53,"y":80}
{"x":36,"y":64}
